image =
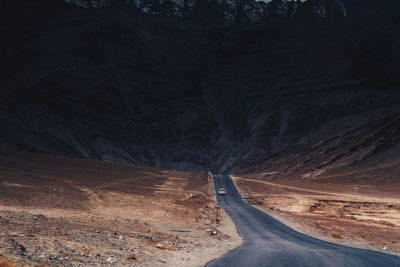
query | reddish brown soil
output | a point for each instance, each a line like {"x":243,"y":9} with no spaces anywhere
{"x":60,"y":211}
{"x":358,"y":215}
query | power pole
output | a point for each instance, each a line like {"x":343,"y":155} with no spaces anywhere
{"x":217,"y":218}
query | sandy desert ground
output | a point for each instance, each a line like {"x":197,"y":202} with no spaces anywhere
{"x":366,"y":216}
{"x":58,"y":211}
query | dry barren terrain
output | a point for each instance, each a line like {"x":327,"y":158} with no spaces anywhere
{"x":340,"y":183}
{"x":356,"y":215}
{"x":58,"y":211}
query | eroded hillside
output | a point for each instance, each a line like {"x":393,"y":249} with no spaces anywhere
{"x":118,"y":85}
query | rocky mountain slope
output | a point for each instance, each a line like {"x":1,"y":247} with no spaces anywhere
{"x":228,"y":12}
{"x":356,"y":149}
{"x":120,"y":85}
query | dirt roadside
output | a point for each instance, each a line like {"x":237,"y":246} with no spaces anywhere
{"x":354,"y":215}
{"x":57,"y":211}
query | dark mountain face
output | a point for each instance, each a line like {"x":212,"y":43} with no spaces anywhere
{"x":118,"y":85}
{"x":354,"y":149}
{"x":229,"y":12}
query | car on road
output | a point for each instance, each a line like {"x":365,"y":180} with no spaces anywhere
{"x":221,"y":191}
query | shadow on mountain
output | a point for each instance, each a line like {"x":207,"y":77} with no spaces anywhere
{"x":119,"y":85}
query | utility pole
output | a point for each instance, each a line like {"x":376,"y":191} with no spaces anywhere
{"x":217,"y":218}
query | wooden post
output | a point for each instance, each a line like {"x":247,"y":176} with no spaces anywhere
{"x":217,"y":219}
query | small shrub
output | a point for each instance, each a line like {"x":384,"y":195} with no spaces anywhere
{"x":335,"y":235}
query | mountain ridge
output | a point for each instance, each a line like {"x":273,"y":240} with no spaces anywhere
{"x":118,"y":85}
{"x":229,"y":12}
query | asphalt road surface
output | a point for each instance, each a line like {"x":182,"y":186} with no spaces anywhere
{"x":268,"y":242}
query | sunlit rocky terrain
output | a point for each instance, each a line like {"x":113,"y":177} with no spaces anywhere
{"x":58,"y":211}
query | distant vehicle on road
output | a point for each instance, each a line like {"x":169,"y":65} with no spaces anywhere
{"x":221,"y":191}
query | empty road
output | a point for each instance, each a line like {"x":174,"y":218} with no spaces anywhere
{"x":268,"y":242}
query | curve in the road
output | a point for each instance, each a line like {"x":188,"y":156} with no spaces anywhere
{"x":268,"y":242}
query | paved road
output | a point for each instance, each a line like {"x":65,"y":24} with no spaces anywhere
{"x":267,"y":242}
